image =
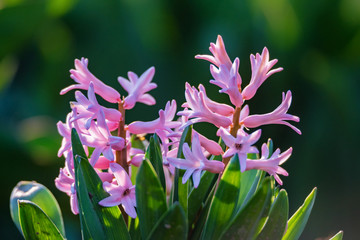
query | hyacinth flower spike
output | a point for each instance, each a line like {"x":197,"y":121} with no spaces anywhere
{"x":278,"y":116}
{"x":89,"y":108}
{"x":195,"y":162}
{"x":83,"y":77}
{"x":241,"y":144}
{"x":137,"y":88}
{"x":261,"y":70}
{"x":270,"y":164}
{"x":123,"y":193}
{"x":164,"y":122}
{"x":65,"y":182}
{"x":200,"y":112}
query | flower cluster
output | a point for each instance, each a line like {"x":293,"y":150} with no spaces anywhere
{"x":107,"y":138}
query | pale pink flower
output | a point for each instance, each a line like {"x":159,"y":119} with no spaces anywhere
{"x":123,"y":193}
{"x":83,"y":77}
{"x":195,"y":162}
{"x":164,"y":122}
{"x":89,"y":108}
{"x":270,"y":164}
{"x":261,"y":70}
{"x":65,"y":182}
{"x":137,"y":87}
{"x":228,"y":81}
{"x":242,"y":144}
{"x":220,"y":55}
{"x":101,"y":139}
{"x":200,"y":111}
{"x":278,"y":116}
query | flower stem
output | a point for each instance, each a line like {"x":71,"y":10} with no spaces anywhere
{"x":234,"y":128}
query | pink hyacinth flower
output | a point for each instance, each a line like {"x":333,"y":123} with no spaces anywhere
{"x":137,"y":87}
{"x":228,"y":81}
{"x":220,"y":55}
{"x":195,"y":162}
{"x":65,"y":182}
{"x":101,"y":139}
{"x":200,"y":111}
{"x":270,"y":164}
{"x":278,"y":116}
{"x":242,"y":144}
{"x":83,"y":77}
{"x":123,"y":193}
{"x":261,"y":70}
{"x":164,"y":122}
{"x":89,"y":108}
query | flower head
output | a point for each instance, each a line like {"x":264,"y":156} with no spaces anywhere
{"x":137,"y":87}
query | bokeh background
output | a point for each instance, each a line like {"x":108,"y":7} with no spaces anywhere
{"x":317,"y":43}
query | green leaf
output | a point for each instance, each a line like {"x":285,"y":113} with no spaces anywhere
{"x":246,"y":223}
{"x":297,"y":222}
{"x":198,"y":195}
{"x":150,"y":198}
{"x":134,"y":229}
{"x":153,"y":153}
{"x":98,"y":220}
{"x":172,"y":225}
{"x":276,"y":223}
{"x":338,"y":236}
{"x":224,"y":202}
{"x":35,"y":224}
{"x":41,"y":196}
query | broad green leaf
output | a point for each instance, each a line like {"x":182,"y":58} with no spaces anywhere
{"x":150,"y":198}
{"x":153,"y":153}
{"x":172,"y":225}
{"x":338,"y":236}
{"x":297,"y":222}
{"x":98,"y":220}
{"x":198,"y":195}
{"x":224,"y":202}
{"x":195,"y":233}
{"x":41,"y":196}
{"x":134,"y":229}
{"x":35,"y":224}
{"x":245,"y":224}
{"x":276,"y":223}
{"x":77,"y":147}
{"x":180,"y":191}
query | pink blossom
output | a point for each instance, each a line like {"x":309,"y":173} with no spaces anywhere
{"x":82,"y":76}
{"x":123,"y":193}
{"x":242,"y":144}
{"x":101,"y":139}
{"x":261,"y":70}
{"x":220,"y":55}
{"x":278,"y":116}
{"x":270,"y":164}
{"x":229,"y":81}
{"x":164,"y":122}
{"x":89,"y":108}
{"x":138,"y":88}
{"x":65,"y":182}
{"x":195,"y":162}
{"x":200,"y":111}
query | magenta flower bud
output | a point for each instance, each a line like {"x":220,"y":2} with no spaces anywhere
{"x":261,"y":70}
{"x":137,"y":87}
{"x":220,"y":55}
{"x":82,"y":76}
{"x":278,"y":116}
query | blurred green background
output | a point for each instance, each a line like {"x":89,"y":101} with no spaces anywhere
{"x":317,"y":43}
